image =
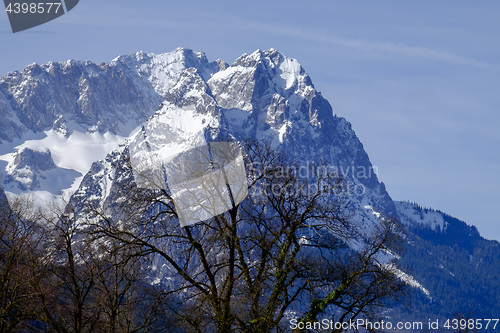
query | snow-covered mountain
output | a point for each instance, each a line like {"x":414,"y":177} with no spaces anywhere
{"x":59,"y":118}
{"x":264,"y":96}
{"x":458,"y":267}
{"x":70,"y":127}
{"x":73,"y":113}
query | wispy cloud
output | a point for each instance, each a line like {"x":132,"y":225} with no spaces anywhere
{"x":368,"y":45}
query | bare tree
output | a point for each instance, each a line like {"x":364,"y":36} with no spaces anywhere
{"x":92,"y":284}
{"x":22,"y":245}
{"x":290,"y":249}
{"x":66,"y":291}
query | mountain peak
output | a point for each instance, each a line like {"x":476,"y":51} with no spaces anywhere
{"x":263,"y":95}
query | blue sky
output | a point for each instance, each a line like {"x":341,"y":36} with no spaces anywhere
{"x":419,"y":81}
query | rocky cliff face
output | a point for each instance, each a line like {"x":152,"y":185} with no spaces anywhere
{"x":264,"y":96}
{"x":67,"y":108}
{"x":76,"y":105}
{"x":92,"y":97}
{"x":3,"y":201}
{"x":27,"y":166}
